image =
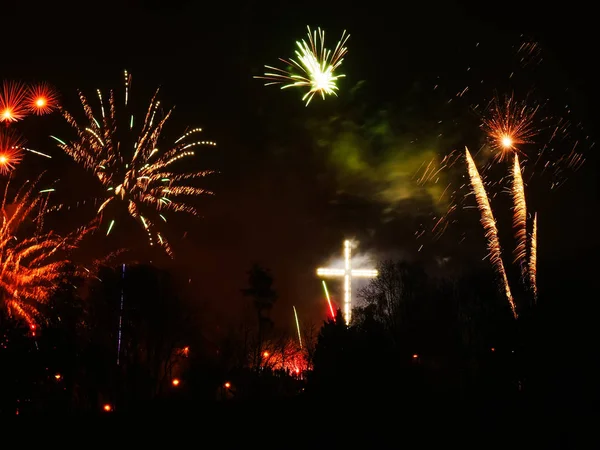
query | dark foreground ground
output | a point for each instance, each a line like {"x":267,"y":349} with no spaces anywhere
{"x":518,"y":422}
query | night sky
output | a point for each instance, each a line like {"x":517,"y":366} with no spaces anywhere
{"x":288,"y":191}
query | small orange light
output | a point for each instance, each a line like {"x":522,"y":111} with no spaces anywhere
{"x":493,"y":349}
{"x":175,"y":382}
{"x":228,"y":385}
{"x":297,"y":370}
{"x":266,"y":354}
{"x":58,"y":376}
{"x":415,"y":356}
{"x":107,"y":408}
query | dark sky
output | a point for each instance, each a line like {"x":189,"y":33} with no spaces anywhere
{"x":278,"y":201}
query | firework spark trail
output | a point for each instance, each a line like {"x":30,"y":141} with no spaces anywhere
{"x":316,"y":65}
{"x":489,"y":225}
{"x":298,"y":326}
{"x":30,"y":267}
{"x":328,"y":299}
{"x":519,"y":217}
{"x":533,"y":259}
{"x":125,"y":158}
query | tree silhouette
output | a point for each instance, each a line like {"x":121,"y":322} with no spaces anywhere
{"x":332,"y":360}
{"x":141,"y":343}
{"x":260,"y":291}
{"x":397,"y":296}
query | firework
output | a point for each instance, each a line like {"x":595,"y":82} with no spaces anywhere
{"x":12,"y":102}
{"x":328,"y":299}
{"x":519,"y":216}
{"x":489,"y":225}
{"x":30,"y":267}
{"x":315,"y":66}
{"x":533,"y":259}
{"x":11,"y":151}
{"x":124,"y":156}
{"x":41,"y":99}
{"x":509,"y":125}
{"x":298,"y":326}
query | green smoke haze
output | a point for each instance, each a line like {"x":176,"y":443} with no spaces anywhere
{"x":381,"y":155}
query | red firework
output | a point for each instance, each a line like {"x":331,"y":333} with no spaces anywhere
{"x":12,"y":102}
{"x":41,"y":99}
{"x":11,"y":151}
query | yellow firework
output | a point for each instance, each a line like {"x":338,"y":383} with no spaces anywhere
{"x":509,"y":125}
{"x":314,"y":67}
{"x":519,"y":216}
{"x":489,"y":225}
{"x":30,"y":264}
{"x":124,"y":156}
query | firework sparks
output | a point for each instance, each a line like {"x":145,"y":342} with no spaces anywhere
{"x":12,"y":102}
{"x":533,"y":259}
{"x":125,"y":158}
{"x":298,"y":327}
{"x":316,"y":66}
{"x":41,"y":99}
{"x":509,"y":125}
{"x":328,"y":299}
{"x":519,"y":216}
{"x":30,"y":267}
{"x":489,"y":225}
{"x":11,"y":152}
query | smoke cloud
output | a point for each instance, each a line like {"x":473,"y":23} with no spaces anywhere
{"x":381,"y":157}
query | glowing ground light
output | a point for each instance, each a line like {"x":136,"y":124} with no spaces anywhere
{"x":107,"y":407}
{"x":58,"y":376}
{"x":175,"y":382}
{"x":227,"y":385}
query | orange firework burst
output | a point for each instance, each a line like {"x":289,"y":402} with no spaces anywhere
{"x":519,"y":216}
{"x":489,"y":224}
{"x":30,"y":265}
{"x":12,"y":102}
{"x":11,"y":151}
{"x":41,"y":99}
{"x":509,"y":125}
